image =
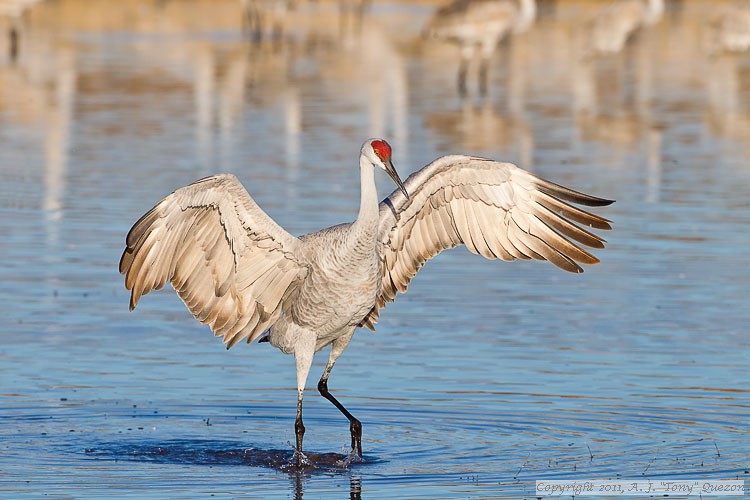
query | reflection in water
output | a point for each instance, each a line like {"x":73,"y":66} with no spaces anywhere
{"x":59,"y":121}
{"x":231,"y":96}
{"x":654,"y":165}
{"x":482,"y":128}
{"x":728,"y":106}
{"x":613,"y":102}
{"x":299,"y":477}
{"x":263,"y":19}
{"x":485,"y":125}
{"x":204,"y":83}
{"x":351,"y":17}
{"x":388,"y":102}
{"x":227,"y":454}
{"x":41,"y":87}
{"x":368,"y":71}
{"x":221,"y":83}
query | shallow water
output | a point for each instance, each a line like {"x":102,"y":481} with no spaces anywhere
{"x":483,"y":378}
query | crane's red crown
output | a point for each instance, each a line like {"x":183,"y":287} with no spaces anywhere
{"x":382,"y":149}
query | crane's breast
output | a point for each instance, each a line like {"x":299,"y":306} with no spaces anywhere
{"x":340,"y":288}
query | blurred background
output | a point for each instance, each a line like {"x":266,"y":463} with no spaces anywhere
{"x":482,"y":379}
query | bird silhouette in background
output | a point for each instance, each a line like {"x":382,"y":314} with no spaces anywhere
{"x":615,"y":23}
{"x":477,"y":27}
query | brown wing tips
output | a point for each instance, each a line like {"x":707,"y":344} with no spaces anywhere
{"x":570,"y":195}
{"x":554,"y":202}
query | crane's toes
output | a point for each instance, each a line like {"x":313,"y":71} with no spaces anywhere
{"x":299,"y":460}
{"x":352,"y":458}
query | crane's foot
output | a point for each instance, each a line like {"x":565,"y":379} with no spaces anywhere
{"x":355,"y":427}
{"x":299,"y":458}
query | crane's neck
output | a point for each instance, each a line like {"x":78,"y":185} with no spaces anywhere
{"x":526,"y":16}
{"x":368,"y":205}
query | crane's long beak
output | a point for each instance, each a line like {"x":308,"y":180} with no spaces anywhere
{"x":394,"y":175}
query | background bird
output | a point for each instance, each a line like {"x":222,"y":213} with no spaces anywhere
{"x":477,"y":27}
{"x":247,"y":278}
{"x":730,"y":29}
{"x":613,"y":25}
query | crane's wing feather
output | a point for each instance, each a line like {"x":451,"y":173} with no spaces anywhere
{"x":230,"y":263}
{"x":496,"y":209}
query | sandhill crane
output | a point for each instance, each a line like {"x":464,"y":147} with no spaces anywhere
{"x":247,"y":278}
{"x":477,"y":26}
{"x":613,"y":25}
{"x":14,"y":11}
{"x":730,"y":30}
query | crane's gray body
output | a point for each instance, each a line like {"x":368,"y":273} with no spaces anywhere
{"x":242,"y":274}
{"x":339,"y":290}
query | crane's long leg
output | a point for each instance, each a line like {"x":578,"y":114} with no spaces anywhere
{"x":299,"y":427}
{"x":303,"y":356}
{"x":13,"y":50}
{"x":355,"y":426}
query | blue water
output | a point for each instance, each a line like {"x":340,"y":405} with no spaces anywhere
{"x":485,"y":377}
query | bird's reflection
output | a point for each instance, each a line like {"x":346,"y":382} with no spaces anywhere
{"x":265,"y":19}
{"x":482,"y":128}
{"x":227,"y":453}
{"x":299,"y":477}
{"x":613,"y":105}
{"x":482,"y":124}
{"x":42,"y":84}
{"x":227,"y":83}
{"x":728,"y":109}
{"x":351,"y":17}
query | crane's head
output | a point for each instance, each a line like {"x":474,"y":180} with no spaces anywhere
{"x":378,"y":152}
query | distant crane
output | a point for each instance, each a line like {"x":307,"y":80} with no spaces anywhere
{"x":613,"y":25}
{"x":242,"y":274}
{"x":478,"y":26}
{"x":14,"y":11}
{"x":730,"y":30}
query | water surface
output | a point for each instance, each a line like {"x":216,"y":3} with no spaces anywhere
{"x":482,"y":379}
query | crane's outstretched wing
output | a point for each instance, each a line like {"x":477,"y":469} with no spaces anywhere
{"x":230,"y":263}
{"x":496,"y":209}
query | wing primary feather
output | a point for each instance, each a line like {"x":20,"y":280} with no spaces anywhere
{"x":568,"y":194}
{"x":571,"y":212}
{"x":195,"y":238}
{"x":552,"y":238}
{"x":568,"y":228}
{"x":462,"y":225}
{"x":496,"y":209}
{"x":143,"y":224}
